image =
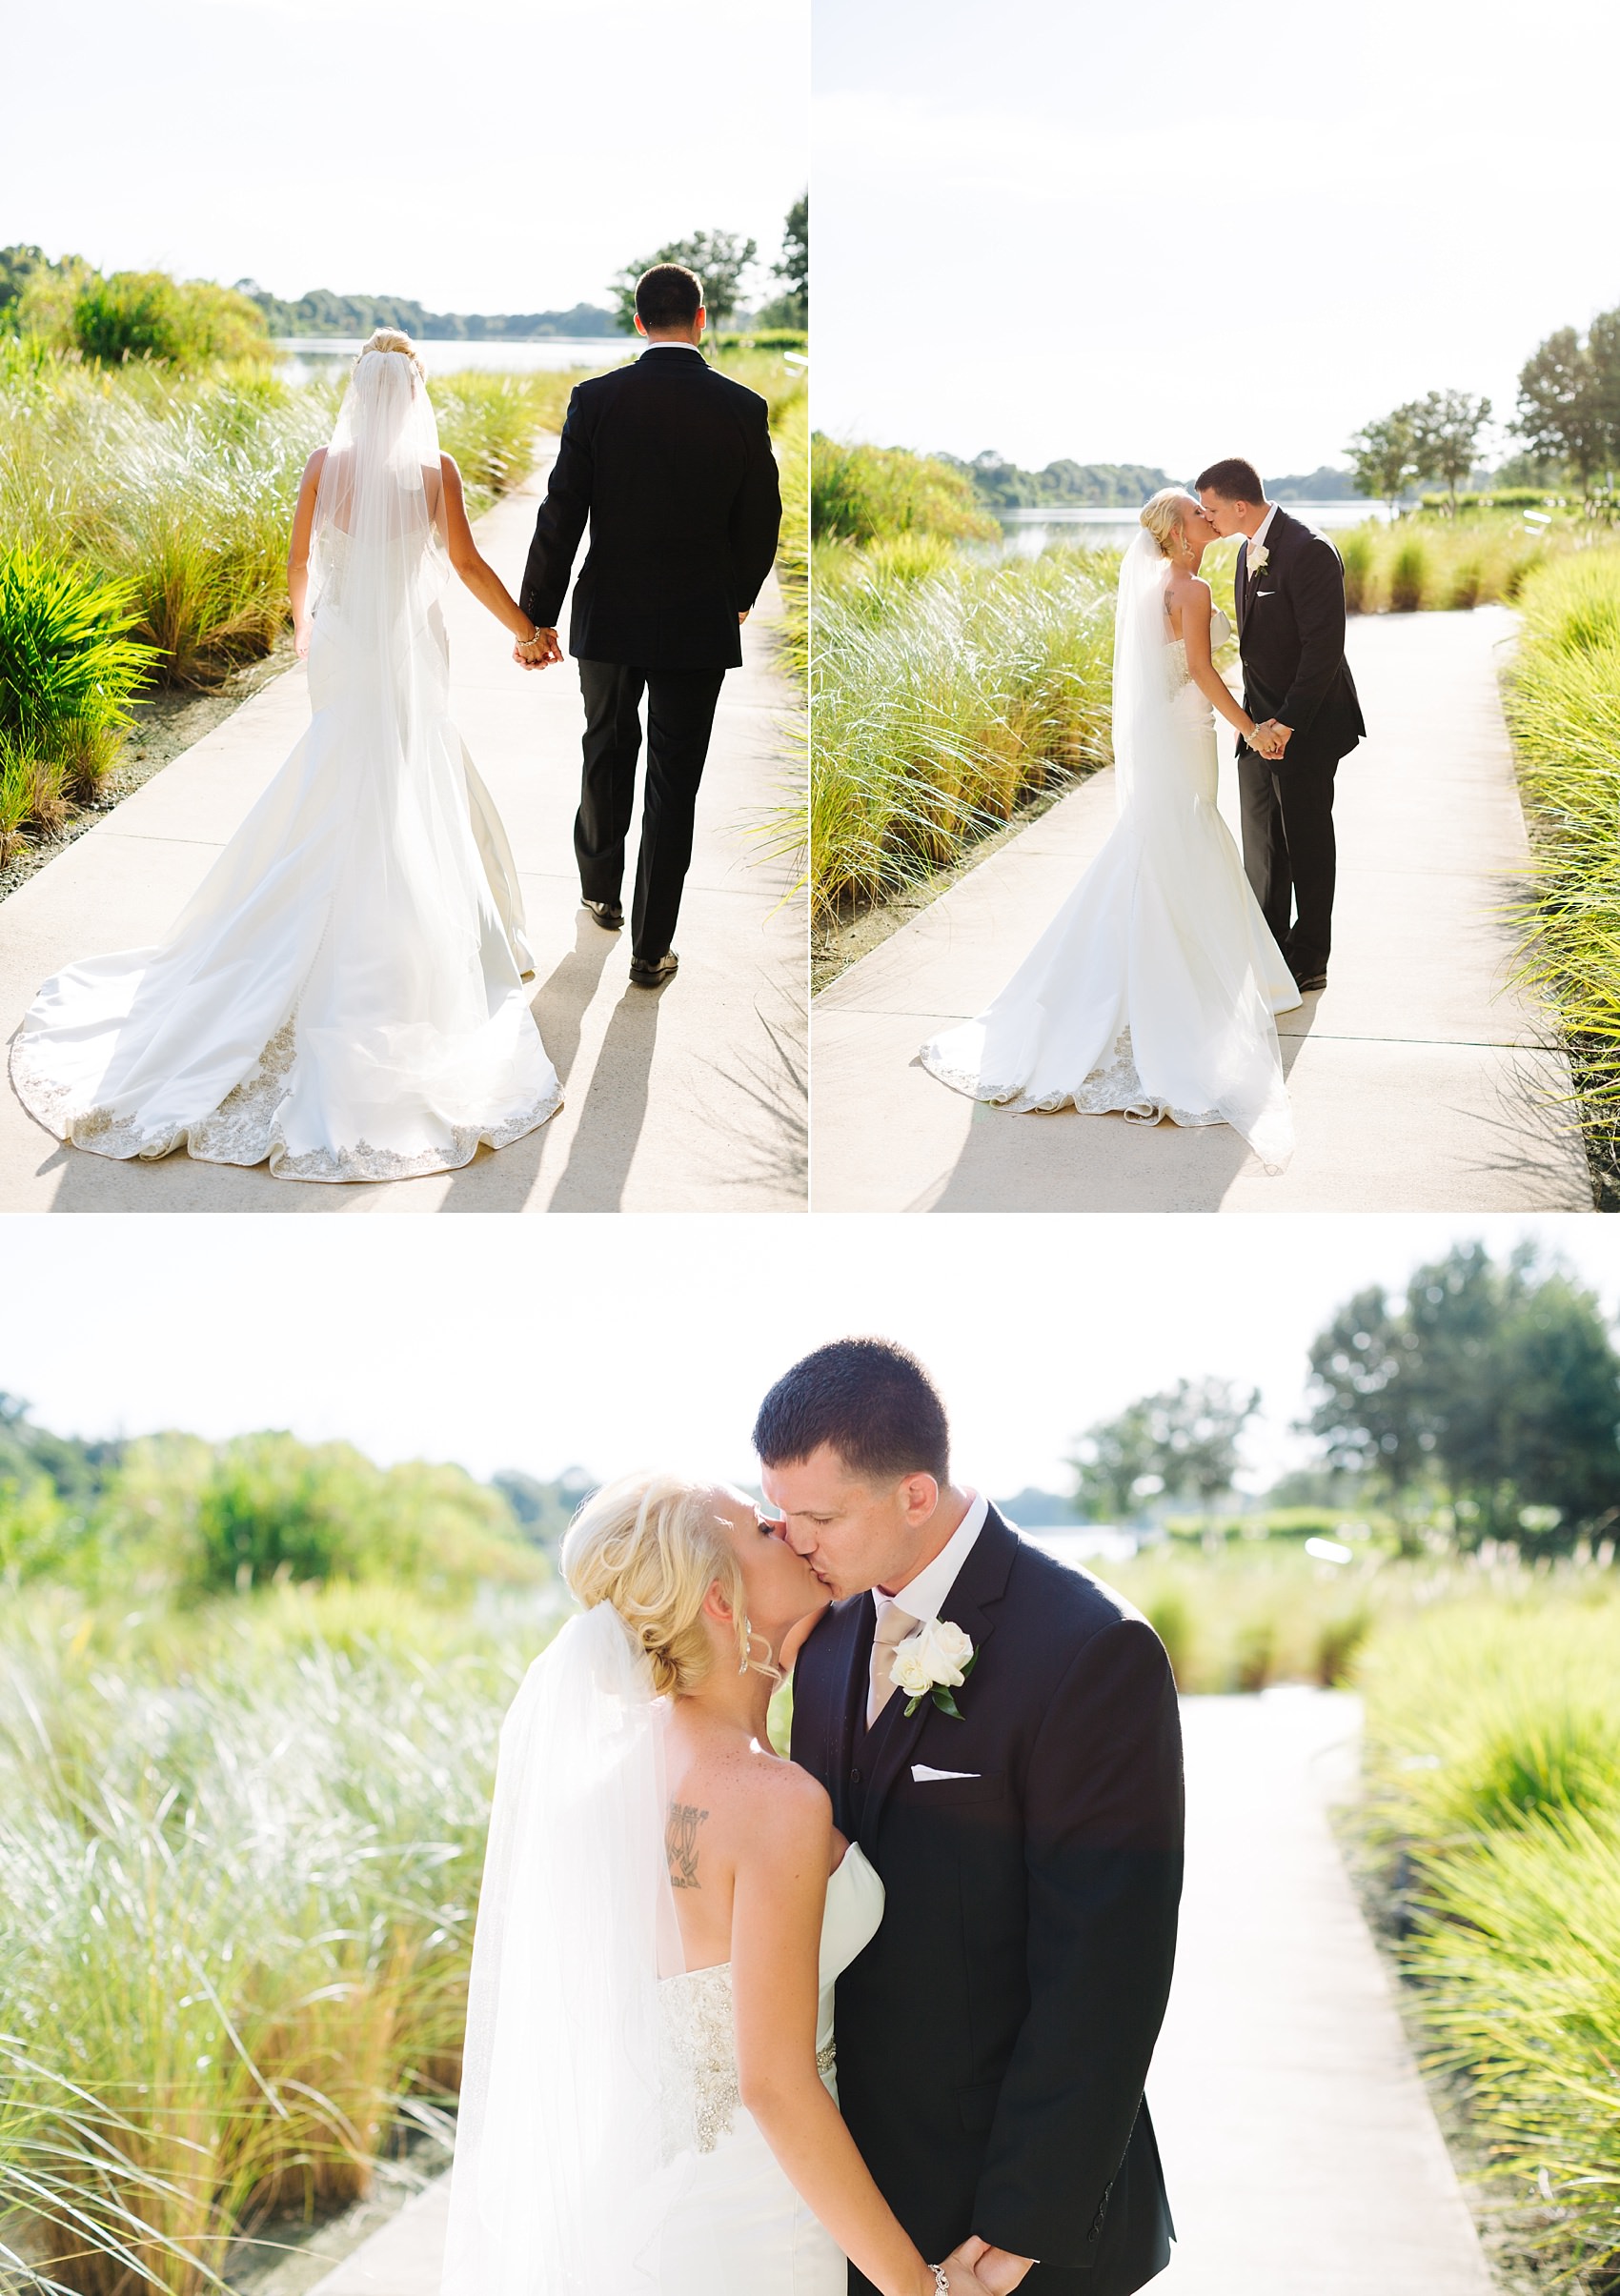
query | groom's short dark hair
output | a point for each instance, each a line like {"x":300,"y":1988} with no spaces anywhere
{"x":1234,"y":480}
{"x":870,"y":1399}
{"x":668,"y":295}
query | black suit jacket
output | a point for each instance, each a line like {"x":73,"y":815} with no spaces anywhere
{"x":672,"y":465}
{"x":1291,"y":637}
{"x":994,"y":2037}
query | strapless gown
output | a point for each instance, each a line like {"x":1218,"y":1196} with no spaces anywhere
{"x":343,"y":997}
{"x":739,"y":2228}
{"x":1154,"y":990}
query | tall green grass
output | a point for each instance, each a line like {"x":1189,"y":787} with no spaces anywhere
{"x":942,"y":692}
{"x":1493,"y":1753}
{"x":1430,"y":562}
{"x":175,"y":492}
{"x":1563,"y":703}
{"x":241,"y":1850}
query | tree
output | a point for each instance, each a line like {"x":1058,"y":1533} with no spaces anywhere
{"x":1182,"y":1443}
{"x":1383,"y":456}
{"x":1495,"y":1387}
{"x":1114,"y":1470}
{"x":791,"y":307}
{"x":1446,"y":428}
{"x":1562,"y":414}
{"x":719,"y":259}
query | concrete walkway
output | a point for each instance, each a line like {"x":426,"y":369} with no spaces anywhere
{"x":684,"y":1099}
{"x":1420,"y":1082}
{"x":1299,"y":2147}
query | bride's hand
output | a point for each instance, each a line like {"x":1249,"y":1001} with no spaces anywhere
{"x":301,"y":641}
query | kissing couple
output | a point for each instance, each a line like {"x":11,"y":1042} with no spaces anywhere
{"x":1154,"y":991}
{"x":346,"y":995}
{"x":879,"y":2014}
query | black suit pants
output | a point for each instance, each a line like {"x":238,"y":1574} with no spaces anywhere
{"x":1289,"y":853}
{"x":681,"y":717}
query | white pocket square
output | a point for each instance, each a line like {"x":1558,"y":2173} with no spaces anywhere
{"x":922,"y":1773}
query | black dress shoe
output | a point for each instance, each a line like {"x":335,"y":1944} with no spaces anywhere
{"x":651,"y":972}
{"x":607,"y":913}
{"x":1309,"y":982}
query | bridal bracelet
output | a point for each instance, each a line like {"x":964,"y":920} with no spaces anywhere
{"x":941,"y":2279}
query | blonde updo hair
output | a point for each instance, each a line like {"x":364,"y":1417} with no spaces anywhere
{"x":653,"y":1545}
{"x":1165,"y":517}
{"x":390,"y":338}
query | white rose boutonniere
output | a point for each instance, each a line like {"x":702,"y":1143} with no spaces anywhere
{"x":1259,"y":558}
{"x":935,"y":1660}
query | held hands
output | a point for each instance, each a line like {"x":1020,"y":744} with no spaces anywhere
{"x":1271,"y":740}
{"x":538,"y":652}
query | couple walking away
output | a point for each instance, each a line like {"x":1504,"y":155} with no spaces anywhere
{"x":1154,"y":991}
{"x":343,"y":997}
{"x":877,"y":2016}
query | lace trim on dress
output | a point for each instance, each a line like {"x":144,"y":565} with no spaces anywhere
{"x":1111,"y":1089}
{"x":701,"y":2032}
{"x":244,"y":1130}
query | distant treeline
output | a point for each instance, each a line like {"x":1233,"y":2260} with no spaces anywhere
{"x":1002,"y":486}
{"x":173,"y":1517}
{"x":321,"y":312}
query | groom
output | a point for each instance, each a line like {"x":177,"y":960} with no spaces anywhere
{"x":671,"y":463}
{"x":1298,"y":687}
{"x":994,"y":2037}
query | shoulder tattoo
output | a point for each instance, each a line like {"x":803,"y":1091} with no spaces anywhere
{"x":681,"y":1845}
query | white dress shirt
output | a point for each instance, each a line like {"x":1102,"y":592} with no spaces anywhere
{"x":1257,"y":539}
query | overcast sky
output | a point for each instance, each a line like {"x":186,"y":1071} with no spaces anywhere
{"x":1162,"y":233}
{"x":538,"y":1343}
{"x":484,"y":157}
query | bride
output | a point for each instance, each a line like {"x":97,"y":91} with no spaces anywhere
{"x":1154,"y":990}
{"x":648,"y":2096}
{"x":342,"y":998}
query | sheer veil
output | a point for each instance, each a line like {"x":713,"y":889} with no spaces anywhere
{"x":377,"y":563}
{"x":1141,"y":693}
{"x":571,"y":2114}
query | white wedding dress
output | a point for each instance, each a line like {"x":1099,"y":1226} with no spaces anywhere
{"x":602,"y":2147}
{"x":1154,"y":990}
{"x":342,"y":998}
{"x":739,"y":2228}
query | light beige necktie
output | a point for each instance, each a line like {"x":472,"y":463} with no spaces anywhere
{"x":894,"y":1624}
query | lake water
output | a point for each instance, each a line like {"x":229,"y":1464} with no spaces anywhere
{"x":1025,"y":533}
{"x":307,"y":358}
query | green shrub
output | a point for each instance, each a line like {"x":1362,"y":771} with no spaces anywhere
{"x":149,"y":316}
{"x":861,"y":493}
{"x":67,"y":670}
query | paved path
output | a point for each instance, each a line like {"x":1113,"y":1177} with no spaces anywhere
{"x":687,"y":1099}
{"x":1420,"y":1082}
{"x":1300,"y":2149}
{"x":1301,"y":2153}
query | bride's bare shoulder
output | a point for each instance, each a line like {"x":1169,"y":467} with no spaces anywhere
{"x":782,"y":1799}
